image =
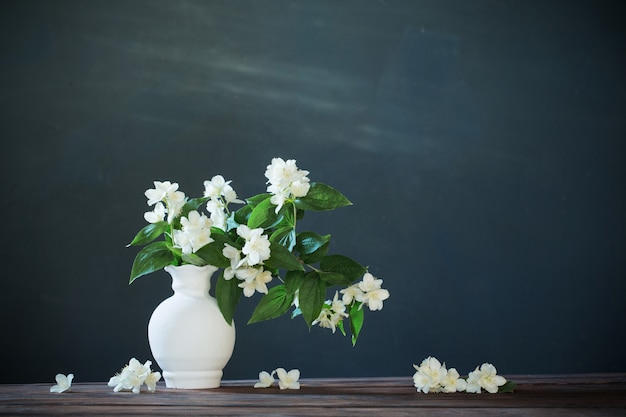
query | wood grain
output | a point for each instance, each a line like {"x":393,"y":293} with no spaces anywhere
{"x":535,"y":395}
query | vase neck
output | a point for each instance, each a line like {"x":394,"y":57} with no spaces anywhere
{"x":191,"y":280}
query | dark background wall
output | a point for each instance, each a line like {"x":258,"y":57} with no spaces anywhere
{"x":482,"y":143}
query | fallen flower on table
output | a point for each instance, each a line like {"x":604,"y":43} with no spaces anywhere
{"x":286,"y":380}
{"x":485,"y":377}
{"x":133,"y":376}
{"x":432,"y":376}
{"x":265,"y":379}
{"x":64,"y":383}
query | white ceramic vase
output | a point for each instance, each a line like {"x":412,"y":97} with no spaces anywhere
{"x":189,"y":338}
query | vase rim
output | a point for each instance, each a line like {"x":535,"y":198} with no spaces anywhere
{"x":189,"y":266}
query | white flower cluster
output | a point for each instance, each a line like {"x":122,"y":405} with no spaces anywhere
{"x":64,"y":383}
{"x":286,"y":181}
{"x":221,"y":194}
{"x":249,"y":269}
{"x":368,"y":291}
{"x":432,"y":376}
{"x":286,"y":380}
{"x":331,"y":315}
{"x":164,"y":192}
{"x":196,"y":227}
{"x":195,"y":232}
{"x":133,"y":376}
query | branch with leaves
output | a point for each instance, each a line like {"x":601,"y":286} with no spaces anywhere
{"x":258,"y":244}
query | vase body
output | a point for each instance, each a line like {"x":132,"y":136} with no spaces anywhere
{"x":189,"y":338}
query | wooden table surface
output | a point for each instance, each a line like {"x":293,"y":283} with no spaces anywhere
{"x":535,"y":395}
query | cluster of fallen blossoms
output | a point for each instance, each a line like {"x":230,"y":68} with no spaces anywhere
{"x":286,"y":380}
{"x":258,"y":248}
{"x":133,"y":376}
{"x":433,"y":376}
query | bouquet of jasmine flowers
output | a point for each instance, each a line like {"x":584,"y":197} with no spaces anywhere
{"x":259,"y":249}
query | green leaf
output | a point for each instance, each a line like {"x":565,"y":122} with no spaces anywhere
{"x":280,"y":257}
{"x":340,"y":325}
{"x":193,"y":204}
{"x":149,"y":233}
{"x":351,"y":269}
{"x":356,"y":321}
{"x":255,"y":200}
{"x":293,"y":281}
{"x":309,"y":242}
{"x":212,"y":254}
{"x":193,"y":259}
{"x":227,"y":293}
{"x":311,"y":297}
{"x":322,"y":197}
{"x":334,"y":278}
{"x":285,"y":236}
{"x":508,"y":387}
{"x":273,"y":304}
{"x":263,"y":215}
{"x":151,"y":258}
{"x":238,"y":217}
{"x":316,"y":256}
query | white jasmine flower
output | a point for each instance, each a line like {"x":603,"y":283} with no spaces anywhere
{"x":257,"y":247}
{"x":215,"y":187}
{"x":218,"y":187}
{"x":157,"y":215}
{"x":256,"y":283}
{"x":352,"y":293}
{"x":281,"y":172}
{"x":133,"y":376}
{"x":151,"y":380}
{"x":329,"y":318}
{"x":278,"y":197}
{"x":175,"y":203}
{"x":370,"y":292}
{"x":217,"y":212}
{"x":452,"y":383}
{"x":326,"y":320}
{"x":338,"y":306}
{"x":370,"y":283}
{"x":160,"y":191}
{"x":183,"y":240}
{"x":64,"y":383}
{"x":286,"y":181}
{"x":374,"y":299}
{"x":196,"y":232}
{"x":265,"y":379}
{"x":429,"y":375}
{"x":299,"y":188}
{"x":201,"y":238}
{"x":166,"y":192}
{"x":231,"y":196}
{"x":247,"y":273}
{"x":485,"y":377}
{"x":422,"y":382}
{"x":195,"y":221}
{"x":234,"y":255}
{"x":288,"y":380}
